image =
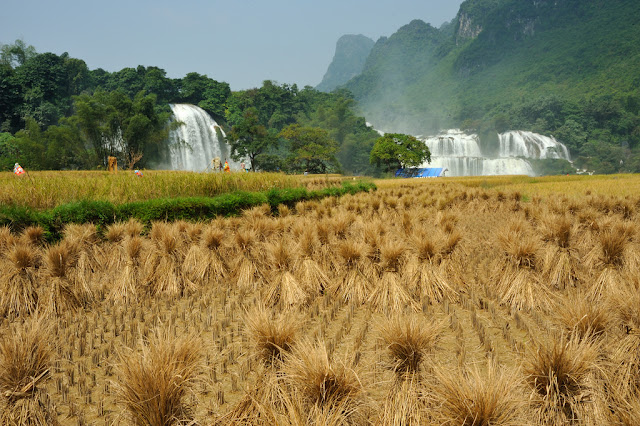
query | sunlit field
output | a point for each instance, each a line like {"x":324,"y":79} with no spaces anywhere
{"x":474,"y":301}
{"x":49,"y":189}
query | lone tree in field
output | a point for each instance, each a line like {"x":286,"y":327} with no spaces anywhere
{"x":396,"y":150}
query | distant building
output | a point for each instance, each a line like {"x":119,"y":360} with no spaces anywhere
{"x":415,"y":172}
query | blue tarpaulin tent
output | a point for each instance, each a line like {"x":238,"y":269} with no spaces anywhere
{"x":421,"y":172}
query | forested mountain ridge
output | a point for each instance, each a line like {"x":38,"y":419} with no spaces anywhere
{"x":351,"y":53}
{"x":561,"y":67}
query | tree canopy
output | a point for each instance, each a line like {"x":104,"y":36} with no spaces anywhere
{"x":396,"y":150}
{"x":311,"y":149}
{"x":248,"y":138}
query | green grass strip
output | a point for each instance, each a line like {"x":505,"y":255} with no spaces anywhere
{"x":104,"y":213}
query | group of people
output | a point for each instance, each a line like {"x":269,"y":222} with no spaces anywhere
{"x":218,"y":166}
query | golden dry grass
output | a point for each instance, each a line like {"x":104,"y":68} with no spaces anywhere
{"x":49,"y":189}
{"x":534,"y":292}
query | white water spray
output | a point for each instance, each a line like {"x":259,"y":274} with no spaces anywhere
{"x":462,"y":155}
{"x":196,"y":142}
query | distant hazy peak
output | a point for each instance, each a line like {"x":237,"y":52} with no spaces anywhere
{"x":351,"y":53}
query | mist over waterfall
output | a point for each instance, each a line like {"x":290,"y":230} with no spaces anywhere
{"x":196,"y":143}
{"x":462,"y":154}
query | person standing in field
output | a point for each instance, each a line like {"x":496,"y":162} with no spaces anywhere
{"x":18,"y":170}
{"x":227,"y":169}
{"x":242,"y":167}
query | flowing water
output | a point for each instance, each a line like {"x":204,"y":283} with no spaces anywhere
{"x":462,"y":155}
{"x":196,"y":143}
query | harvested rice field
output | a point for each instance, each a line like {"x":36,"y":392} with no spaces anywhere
{"x":488,"y":301}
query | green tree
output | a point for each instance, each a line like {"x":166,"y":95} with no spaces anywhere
{"x":249,"y":138}
{"x":64,"y":149}
{"x":312,"y":149}
{"x":113,"y":124}
{"x":396,"y":150}
{"x":31,"y":146}
{"x":8,"y":151}
{"x":10,"y":100}
{"x":16,"y":54}
{"x":205,"y":92}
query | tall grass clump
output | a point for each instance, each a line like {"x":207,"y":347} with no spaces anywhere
{"x":272,"y":338}
{"x":154,"y":382}
{"x":245,"y":267}
{"x":33,"y":235}
{"x":306,"y":269}
{"x":26,"y":355}
{"x":582,"y":318}
{"x":626,"y":351}
{"x":164,"y":267}
{"x":129,"y":280}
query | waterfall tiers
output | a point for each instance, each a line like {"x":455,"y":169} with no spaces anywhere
{"x":462,"y":155}
{"x":197,"y":142}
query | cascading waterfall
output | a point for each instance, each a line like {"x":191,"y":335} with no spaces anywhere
{"x":462,"y":155}
{"x":454,"y":143}
{"x":196,"y":142}
{"x":531,"y":145}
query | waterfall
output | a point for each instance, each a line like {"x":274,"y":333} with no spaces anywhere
{"x":196,"y":142}
{"x":462,"y":155}
{"x":531,"y":145}
{"x":454,"y":143}
{"x":480,"y":166}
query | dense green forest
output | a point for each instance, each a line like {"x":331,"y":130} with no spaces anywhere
{"x":567,"y":68}
{"x":55,"y":113}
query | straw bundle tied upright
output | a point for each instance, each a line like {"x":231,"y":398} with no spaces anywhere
{"x":26,"y":355}
{"x":62,"y":292}
{"x":129,"y":283}
{"x":154,"y":382}
{"x":389,"y":294}
{"x":426,"y":269}
{"x":516,"y":275}
{"x":306,"y":269}
{"x":18,"y":282}
{"x":478,"y":396}
{"x":351,"y":283}
{"x":282,"y":286}
{"x":325,"y":387}
{"x":560,"y":374}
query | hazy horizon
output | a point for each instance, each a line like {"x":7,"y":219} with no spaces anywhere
{"x":242,"y":43}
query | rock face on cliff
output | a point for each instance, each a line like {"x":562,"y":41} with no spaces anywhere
{"x":351,"y":53}
{"x":496,"y":53}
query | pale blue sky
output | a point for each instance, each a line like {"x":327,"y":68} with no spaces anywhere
{"x":242,"y":42}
